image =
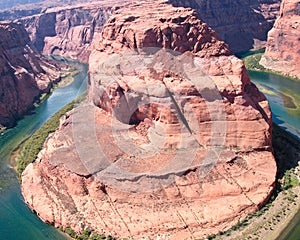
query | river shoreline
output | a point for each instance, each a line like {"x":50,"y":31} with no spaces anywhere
{"x":252,"y":59}
{"x":67,"y":77}
{"x":284,"y":204}
{"x":17,"y":221}
{"x":271,"y":221}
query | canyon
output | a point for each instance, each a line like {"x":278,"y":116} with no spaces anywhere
{"x":25,"y":73}
{"x":283,"y":46}
{"x":67,"y":31}
{"x":242,"y":24}
{"x":70,"y":30}
{"x":174,"y":140}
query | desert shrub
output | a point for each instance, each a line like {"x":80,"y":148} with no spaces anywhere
{"x":211,"y":236}
{"x":70,"y":232}
{"x":252,"y":62}
{"x":34,"y":144}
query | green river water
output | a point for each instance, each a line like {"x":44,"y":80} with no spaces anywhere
{"x":284,"y":97}
{"x":16,"y":219}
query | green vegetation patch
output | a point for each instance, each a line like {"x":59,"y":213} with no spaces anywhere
{"x":252,"y":62}
{"x":34,"y":144}
{"x":288,"y":101}
{"x":87,"y":234}
{"x":68,"y":77}
{"x":291,"y":101}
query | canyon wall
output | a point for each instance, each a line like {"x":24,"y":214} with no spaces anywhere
{"x":67,"y":31}
{"x":175,"y":142}
{"x":12,"y":11}
{"x":283,"y":46}
{"x":24,"y":73}
{"x":242,"y":24}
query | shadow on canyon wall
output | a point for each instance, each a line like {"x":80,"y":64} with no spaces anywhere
{"x":242,"y":24}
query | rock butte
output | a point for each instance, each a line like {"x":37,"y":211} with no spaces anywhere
{"x":283,"y":46}
{"x":88,"y":176}
{"x":25,"y":73}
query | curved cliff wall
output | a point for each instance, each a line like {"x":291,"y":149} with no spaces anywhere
{"x":283,"y":46}
{"x":24,"y":73}
{"x":67,"y":31}
{"x":242,"y":24}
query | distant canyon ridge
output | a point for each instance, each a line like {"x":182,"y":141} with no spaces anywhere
{"x":242,"y":24}
{"x":70,"y":31}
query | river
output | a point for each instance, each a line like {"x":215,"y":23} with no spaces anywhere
{"x":284,"y":98}
{"x":17,"y":221}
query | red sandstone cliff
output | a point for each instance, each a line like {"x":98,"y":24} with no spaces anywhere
{"x":13,"y":11}
{"x":67,"y":31}
{"x":242,"y":24}
{"x":283,"y":46}
{"x":157,"y":154}
{"x":24,"y":73}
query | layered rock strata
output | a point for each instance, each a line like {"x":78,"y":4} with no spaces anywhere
{"x":175,"y":142}
{"x":283,"y":46}
{"x":12,"y":11}
{"x":67,"y":31}
{"x":242,"y":24}
{"x":24,"y":73}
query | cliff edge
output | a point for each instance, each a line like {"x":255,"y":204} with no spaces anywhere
{"x":283,"y":46}
{"x":24,"y":73}
{"x":242,"y":24}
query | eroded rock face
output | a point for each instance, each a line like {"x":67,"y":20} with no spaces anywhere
{"x":25,"y":74}
{"x":67,"y":31}
{"x":283,"y":46}
{"x":183,"y":143}
{"x":24,"y":9}
{"x":60,"y":188}
{"x":181,"y":32}
{"x":242,"y":24}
